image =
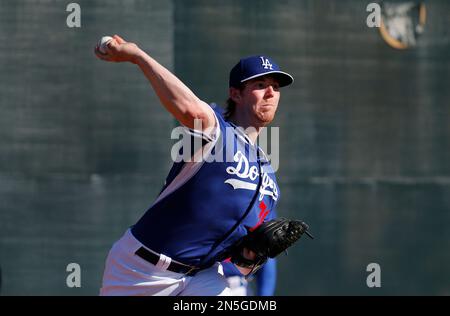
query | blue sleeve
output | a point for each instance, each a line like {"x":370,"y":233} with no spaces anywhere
{"x":266,"y":278}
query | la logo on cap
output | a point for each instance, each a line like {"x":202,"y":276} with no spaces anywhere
{"x":266,"y":63}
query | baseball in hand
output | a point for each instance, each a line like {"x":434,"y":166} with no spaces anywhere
{"x":103,"y":42}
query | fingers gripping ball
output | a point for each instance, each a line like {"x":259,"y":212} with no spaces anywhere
{"x":269,"y":240}
{"x":102,"y":44}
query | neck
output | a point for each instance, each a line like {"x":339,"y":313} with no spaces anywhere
{"x":251,"y":130}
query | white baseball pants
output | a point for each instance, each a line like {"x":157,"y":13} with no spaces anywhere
{"x":128,"y":274}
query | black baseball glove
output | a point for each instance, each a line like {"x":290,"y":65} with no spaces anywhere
{"x":267,"y":241}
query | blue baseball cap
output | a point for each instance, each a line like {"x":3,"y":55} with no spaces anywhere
{"x":257,"y":66}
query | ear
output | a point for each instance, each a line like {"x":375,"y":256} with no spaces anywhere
{"x":235,"y":95}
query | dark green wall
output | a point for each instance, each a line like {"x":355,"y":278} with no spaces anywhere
{"x":364,"y":137}
{"x":85,"y":145}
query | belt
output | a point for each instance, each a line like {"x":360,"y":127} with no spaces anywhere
{"x":176,"y":267}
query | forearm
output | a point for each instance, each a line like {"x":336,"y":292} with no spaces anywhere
{"x":176,"y":97}
{"x":250,"y":255}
